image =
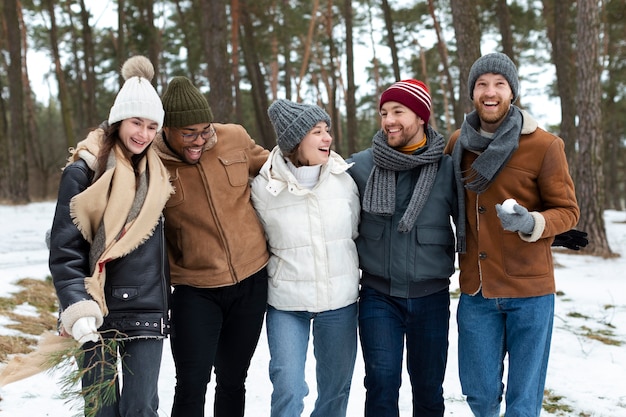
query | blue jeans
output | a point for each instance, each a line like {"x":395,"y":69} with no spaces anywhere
{"x":141,"y":363}
{"x":385,"y":323}
{"x":334,"y":347}
{"x":489,"y":328}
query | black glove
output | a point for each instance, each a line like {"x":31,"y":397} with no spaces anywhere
{"x":572,"y":239}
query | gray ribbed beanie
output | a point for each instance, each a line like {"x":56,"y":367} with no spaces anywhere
{"x":292,"y":121}
{"x":184,"y":104}
{"x":496,"y":63}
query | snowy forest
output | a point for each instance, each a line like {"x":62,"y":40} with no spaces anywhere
{"x":339,"y":54}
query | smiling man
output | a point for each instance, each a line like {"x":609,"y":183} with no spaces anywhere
{"x":217,"y":251}
{"x":406,"y":253}
{"x":506,"y":274}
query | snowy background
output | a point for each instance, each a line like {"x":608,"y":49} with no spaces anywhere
{"x":588,"y":375}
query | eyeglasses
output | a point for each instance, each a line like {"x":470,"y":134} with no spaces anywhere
{"x":192,"y":137}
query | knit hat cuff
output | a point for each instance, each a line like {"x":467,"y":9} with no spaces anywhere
{"x":188,"y":117}
{"x":139,"y":108}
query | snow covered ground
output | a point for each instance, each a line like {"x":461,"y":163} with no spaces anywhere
{"x":588,"y":374}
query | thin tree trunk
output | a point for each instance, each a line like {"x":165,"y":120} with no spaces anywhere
{"x":255,"y":75}
{"x":89,"y":62}
{"x":121,"y":38}
{"x":215,"y":42}
{"x":391,"y":39}
{"x":234,"y":36}
{"x":307,"y":48}
{"x":351,"y":122}
{"x":66,"y":107}
{"x":38,"y":156}
{"x":17,"y":186}
{"x":445,"y":59}
{"x":467,"y":35}
{"x":558,"y":14}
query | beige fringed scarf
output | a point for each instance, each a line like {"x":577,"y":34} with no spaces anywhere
{"x":119,"y":211}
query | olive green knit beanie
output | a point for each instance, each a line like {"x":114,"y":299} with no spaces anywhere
{"x":184,"y":104}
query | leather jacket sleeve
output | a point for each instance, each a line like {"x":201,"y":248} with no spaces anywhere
{"x":69,"y":251}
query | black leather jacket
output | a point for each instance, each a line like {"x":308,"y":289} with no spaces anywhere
{"x":137,"y":288}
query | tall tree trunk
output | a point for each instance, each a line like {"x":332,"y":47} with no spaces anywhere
{"x":154,"y":40}
{"x":375,"y":63}
{"x":467,"y":34}
{"x":75,"y":86}
{"x":215,"y":41}
{"x":37,"y":154}
{"x":332,"y":81}
{"x":121,"y":38}
{"x":255,"y":75}
{"x":445,"y":62}
{"x":351,"y":122}
{"x":186,"y":41}
{"x":307,"y":48}
{"x":234,"y":42}
{"x":391,"y":39}
{"x":558,"y":14}
{"x":64,"y":99}
{"x":506,"y":34}
{"x":17,"y":186}
{"x":89,"y":63}
{"x":590,"y":180}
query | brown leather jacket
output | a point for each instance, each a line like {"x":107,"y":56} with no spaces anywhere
{"x":214,"y":237}
{"x":507,"y":264}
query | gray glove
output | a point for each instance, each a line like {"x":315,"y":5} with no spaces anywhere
{"x":518,"y":221}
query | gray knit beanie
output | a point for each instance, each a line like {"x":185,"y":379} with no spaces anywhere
{"x":495,"y":63}
{"x":292,"y":121}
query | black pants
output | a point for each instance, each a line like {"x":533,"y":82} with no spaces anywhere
{"x":215,"y":327}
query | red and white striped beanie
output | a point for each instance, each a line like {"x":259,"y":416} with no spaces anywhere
{"x":411,"y":93}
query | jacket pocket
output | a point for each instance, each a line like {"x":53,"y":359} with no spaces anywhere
{"x":125,"y":293}
{"x":236,"y":166}
{"x":525,"y":260}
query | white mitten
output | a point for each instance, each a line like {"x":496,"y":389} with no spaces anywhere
{"x":84,"y":330}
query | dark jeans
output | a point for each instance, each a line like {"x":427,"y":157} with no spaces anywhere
{"x":141,"y":362}
{"x":215,"y":327}
{"x":385,"y":323}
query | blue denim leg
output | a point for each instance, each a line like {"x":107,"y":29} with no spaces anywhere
{"x":428,"y":324}
{"x":334,"y":346}
{"x":288,"y":339}
{"x":141,"y":363}
{"x":384,"y":322}
{"x":488,"y":330}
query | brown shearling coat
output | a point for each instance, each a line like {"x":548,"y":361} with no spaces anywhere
{"x":213,"y":235}
{"x":509,"y":264}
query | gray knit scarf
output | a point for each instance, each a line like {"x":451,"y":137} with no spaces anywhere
{"x":494,"y":153}
{"x":380,"y":191}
